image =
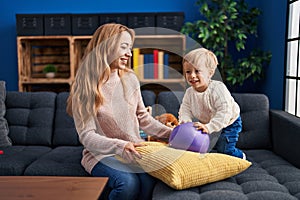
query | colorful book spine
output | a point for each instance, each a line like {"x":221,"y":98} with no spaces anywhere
{"x":141,"y":66}
{"x":155,"y":64}
{"x":135,"y":64}
{"x":166,"y":66}
{"x":160,"y":65}
{"x":151,"y":66}
{"x":148,"y":66}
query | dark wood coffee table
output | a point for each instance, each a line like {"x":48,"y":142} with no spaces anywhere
{"x":51,"y":187}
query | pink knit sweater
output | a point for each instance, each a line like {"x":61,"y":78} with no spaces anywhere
{"x":117,"y":122}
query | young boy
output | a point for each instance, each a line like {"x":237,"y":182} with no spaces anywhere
{"x":210,"y":102}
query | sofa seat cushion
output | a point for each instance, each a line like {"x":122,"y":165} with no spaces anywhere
{"x":16,"y":159}
{"x":269,"y":177}
{"x":61,"y":161}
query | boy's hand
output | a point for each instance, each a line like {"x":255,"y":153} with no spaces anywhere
{"x":200,"y":126}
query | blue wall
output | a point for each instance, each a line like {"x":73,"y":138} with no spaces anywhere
{"x":272,"y":37}
{"x":271,"y":32}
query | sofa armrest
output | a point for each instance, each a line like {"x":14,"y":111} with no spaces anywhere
{"x":286,"y":135}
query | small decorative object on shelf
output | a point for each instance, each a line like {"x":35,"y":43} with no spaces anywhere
{"x":50,"y":70}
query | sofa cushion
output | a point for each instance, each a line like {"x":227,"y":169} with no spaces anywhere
{"x":30,"y":117}
{"x":183,"y":169}
{"x":61,"y":161}
{"x":16,"y":159}
{"x":269,"y":177}
{"x":64,"y":128}
{"x":149,"y":97}
{"x":255,"y":119}
{"x":4,"y":139}
{"x":169,"y":101}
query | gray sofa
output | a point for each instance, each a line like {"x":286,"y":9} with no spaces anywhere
{"x":45,"y":142}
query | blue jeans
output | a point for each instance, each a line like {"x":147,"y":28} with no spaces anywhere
{"x":125,"y":181}
{"x":228,"y":139}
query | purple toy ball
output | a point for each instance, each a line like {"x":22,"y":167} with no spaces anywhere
{"x":187,"y":137}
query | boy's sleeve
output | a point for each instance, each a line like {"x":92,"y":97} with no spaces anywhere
{"x":185,"y":112}
{"x":224,"y":105}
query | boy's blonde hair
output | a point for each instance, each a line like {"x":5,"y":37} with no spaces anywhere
{"x":201,"y":56}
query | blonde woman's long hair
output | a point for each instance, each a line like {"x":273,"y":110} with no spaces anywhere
{"x":94,"y":71}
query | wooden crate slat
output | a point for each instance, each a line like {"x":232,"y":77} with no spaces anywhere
{"x":49,"y":42}
{"x":42,"y":50}
{"x":50,"y":59}
{"x":60,"y":68}
{"x":57,"y":75}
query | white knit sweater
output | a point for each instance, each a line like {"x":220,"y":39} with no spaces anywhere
{"x":214,"y":107}
{"x":117,"y":122}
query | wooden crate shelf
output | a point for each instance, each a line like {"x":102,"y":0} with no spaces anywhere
{"x":79,"y":43}
{"x":66,"y":52}
{"x":34,"y":53}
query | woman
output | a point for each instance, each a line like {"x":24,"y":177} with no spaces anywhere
{"x":106,"y":104}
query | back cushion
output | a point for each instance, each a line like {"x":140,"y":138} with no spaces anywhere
{"x":30,"y":117}
{"x":169,"y":102}
{"x":255,"y":119}
{"x":64,"y":128}
{"x":149,"y":97}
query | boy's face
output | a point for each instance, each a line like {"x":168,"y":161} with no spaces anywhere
{"x":198,"y":78}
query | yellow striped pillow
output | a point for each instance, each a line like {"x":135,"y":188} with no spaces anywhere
{"x":183,"y":169}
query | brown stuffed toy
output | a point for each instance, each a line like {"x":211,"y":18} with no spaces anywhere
{"x":167,"y":119}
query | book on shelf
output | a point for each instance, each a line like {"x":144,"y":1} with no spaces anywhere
{"x":141,"y":66}
{"x":135,"y":64}
{"x":148,"y":66}
{"x":166,"y":66}
{"x":153,"y":64}
{"x":160,"y":65}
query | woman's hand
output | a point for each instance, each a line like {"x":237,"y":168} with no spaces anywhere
{"x":200,"y":126}
{"x":130,"y":154}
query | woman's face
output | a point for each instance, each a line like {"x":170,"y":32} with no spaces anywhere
{"x":123,"y":52}
{"x":197,"y":78}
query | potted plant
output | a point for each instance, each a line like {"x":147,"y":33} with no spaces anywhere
{"x":225,"y":28}
{"x":50,"y":70}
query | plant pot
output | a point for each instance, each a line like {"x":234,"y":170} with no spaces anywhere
{"x":50,"y":74}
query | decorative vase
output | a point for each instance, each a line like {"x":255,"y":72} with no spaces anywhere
{"x":50,"y":74}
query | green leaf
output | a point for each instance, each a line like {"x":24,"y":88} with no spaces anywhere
{"x":225,"y":23}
